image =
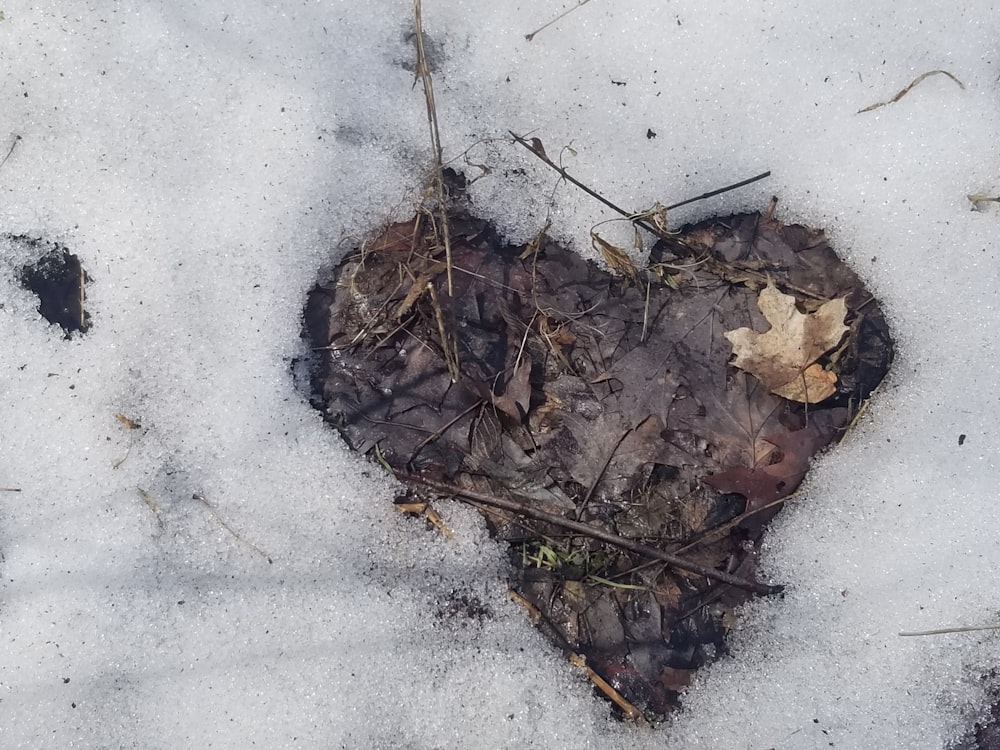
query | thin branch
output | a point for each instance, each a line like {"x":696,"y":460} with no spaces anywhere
{"x":631,"y":712}
{"x":443,"y":429}
{"x":538,"y":151}
{"x":562,"y":15}
{"x":594,"y":533}
{"x":602,"y":472}
{"x":535,"y":147}
{"x":715,"y":534}
{"x":967,"y":629}
{"x":983,"y":198}
{"x":236,"y":535}
{"x":17,"y":139}
{"x":720,"y":191}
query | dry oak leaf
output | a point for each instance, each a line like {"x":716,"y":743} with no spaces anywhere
{"x":784,"y":358}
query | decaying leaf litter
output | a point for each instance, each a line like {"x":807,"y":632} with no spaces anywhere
{"x":607,"y":399}
{"x":596,"y":416}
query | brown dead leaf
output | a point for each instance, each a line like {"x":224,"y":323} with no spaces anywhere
{"x":784,"y":358}
{"x":426,"y":510}
{"x":815,"y":384}
{"x":616,"y":258}
{"x":779,"y":472}
{"x":516,"y":399}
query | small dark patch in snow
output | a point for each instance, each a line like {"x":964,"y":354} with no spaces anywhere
{"x":433,"y":50}
{"x":59,"y":280}
{"x":464,"y":606}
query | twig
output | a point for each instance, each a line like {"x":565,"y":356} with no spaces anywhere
{"x":631,"y":712}
{"x":538,"y":151}
{"x":230,"y":529}
{"x":594,"y":533}
{"x":424,"y":73}
{"x":534,"y":146}
{"x":562,"y":15}
{"x":645,"y":313}
{"x":913,"y":83}
{"x":983,"y":198}
{"x":720,"y":191}
{"x":10,"y":489}
{"x":549,"y":628}
{"x":602,"y":472}
{"x":82,"y":298}
{"x":966,"y":629}
{"x":17,"y":139}
{"x":714,"y":534}
{"x":443,"y":429}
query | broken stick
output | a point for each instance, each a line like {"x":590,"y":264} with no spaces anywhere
{"x":595,"y":533}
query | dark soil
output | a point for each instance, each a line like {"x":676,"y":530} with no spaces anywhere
{"x":602,"y":398}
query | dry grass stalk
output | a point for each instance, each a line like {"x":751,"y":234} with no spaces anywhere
{"x":941,"y":631}
{"x":424,"y":73}
{"x":449,"y":346}
{"x":236,"y":535}
{"x":906,"y":89}
{"x":152,"y":505}
{"x":631,"y":712}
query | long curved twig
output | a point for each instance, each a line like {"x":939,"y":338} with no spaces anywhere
{"x":590,"y":531}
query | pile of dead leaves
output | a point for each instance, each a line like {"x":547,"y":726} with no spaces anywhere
{"x":671,"y":407}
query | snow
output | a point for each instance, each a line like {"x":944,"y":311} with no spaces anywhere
{"x":207,"y":161}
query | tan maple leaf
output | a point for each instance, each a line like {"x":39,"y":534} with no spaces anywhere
{"x":784,"y":358}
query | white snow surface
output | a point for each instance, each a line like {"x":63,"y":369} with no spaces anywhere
{"x":208,"y":160}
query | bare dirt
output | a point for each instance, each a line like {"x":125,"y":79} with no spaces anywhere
{"x":596,"y":398}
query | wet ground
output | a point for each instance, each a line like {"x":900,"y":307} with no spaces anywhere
{"x":602,"y":411}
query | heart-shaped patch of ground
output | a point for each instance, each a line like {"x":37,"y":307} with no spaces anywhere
{"x":598,"y":418}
